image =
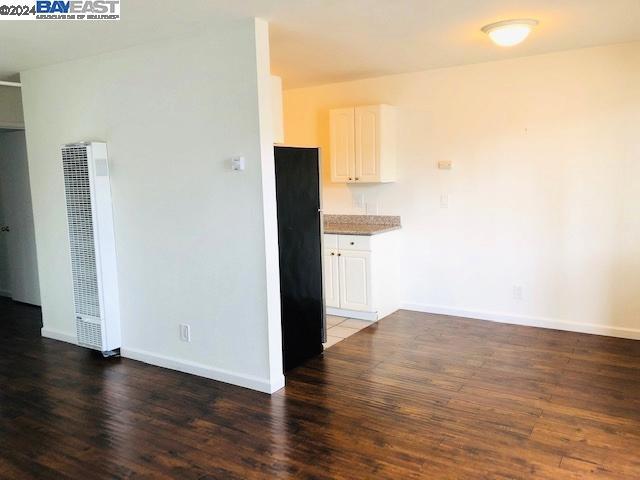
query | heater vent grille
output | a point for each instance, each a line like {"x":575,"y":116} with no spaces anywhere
{"x":89,"y":334}
{"x":82,"y":242}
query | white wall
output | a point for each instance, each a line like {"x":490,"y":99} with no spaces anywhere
{"x":10,"y":108}
{"x":190,"y":233}
{"x":15,"y":203}
{"x":544,"y":191}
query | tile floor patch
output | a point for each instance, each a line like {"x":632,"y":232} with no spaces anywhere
{"x":339,"y":328}
{"x":342,"y":332}
{"x":332,"y":341}
{"x":353,"y":323}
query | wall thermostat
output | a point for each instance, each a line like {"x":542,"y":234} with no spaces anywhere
{"x":237,"y":164}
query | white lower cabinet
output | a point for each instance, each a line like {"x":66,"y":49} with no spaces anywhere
{"x":355,"y":280}
{"x":360,"y":275}
{"x":331,"y":279}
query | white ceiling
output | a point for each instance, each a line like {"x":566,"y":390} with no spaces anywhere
{"x":320,"y":41}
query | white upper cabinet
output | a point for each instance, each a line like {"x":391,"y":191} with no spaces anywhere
{"x":342,"y":144}
{"x":363,"y":144}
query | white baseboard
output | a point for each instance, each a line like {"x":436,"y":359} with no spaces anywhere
{"x":339,"y":312}
{"x":193,"y":368}
{"x":59,"y":335}
{"x":200,"y":370}
{"x":556,"y":324}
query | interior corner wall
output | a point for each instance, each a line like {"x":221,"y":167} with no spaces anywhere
{"x":543,"y":193}
{"x":10,"y":107}
{"x":190,"y":232}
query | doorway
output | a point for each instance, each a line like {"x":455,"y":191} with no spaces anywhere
{"x":18,"y":262}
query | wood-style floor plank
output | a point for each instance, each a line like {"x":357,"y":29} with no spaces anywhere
{"x":415,"y":396}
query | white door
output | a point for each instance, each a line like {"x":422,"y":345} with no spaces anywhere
{"x":331,"y":279}
{"x":355,"y":281}
{"x":15,"y":202}
{"x":367,"y":141}
{"x":342,"y":145}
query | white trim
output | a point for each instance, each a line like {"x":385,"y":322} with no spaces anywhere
{"x":201,"y":370}
{"x":553,"y":323}
{"x":269,"y":211}
{"x":341,"y":312}
{"x":193,"y":368}
{"x":277,"y":384}
{"x":12,"y":125}
{"x":59,"y":335}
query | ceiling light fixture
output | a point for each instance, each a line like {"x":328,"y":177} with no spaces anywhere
{"x":509,"y":32}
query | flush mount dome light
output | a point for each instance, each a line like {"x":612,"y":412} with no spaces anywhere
{"x":509,"y":32}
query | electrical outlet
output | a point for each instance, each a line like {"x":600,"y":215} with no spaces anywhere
{"x":517,"y":292}
{"x":444,"y":200}
{"x":185,"y":332}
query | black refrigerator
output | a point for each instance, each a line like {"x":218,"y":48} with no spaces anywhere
{"x":300,"y":245}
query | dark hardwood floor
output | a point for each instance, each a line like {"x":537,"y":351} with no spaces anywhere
{"x":415,"y":396}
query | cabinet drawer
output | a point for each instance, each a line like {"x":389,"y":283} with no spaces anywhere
{"x":354,"y":242}
{"x":330,"y":240}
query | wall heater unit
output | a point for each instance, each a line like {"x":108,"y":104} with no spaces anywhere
{"x":93,"y":250}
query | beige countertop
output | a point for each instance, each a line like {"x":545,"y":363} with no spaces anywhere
{"x":360,"y":224}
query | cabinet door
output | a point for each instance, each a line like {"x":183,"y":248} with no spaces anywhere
{"x":331,"y":279}
{"x":367,"y":144}
{"x":342,"y":145}
{"x":355,"y":280}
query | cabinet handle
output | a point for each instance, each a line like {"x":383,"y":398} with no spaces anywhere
{"x":339,"y":254}
{"x":352,"y":243}
{"x":350,"y":179}
{"x":332,"y":253}
{"x":357,"y":179}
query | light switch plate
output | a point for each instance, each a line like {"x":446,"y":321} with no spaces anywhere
{"x":237,"y":164}
{"x":445,"y":165}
